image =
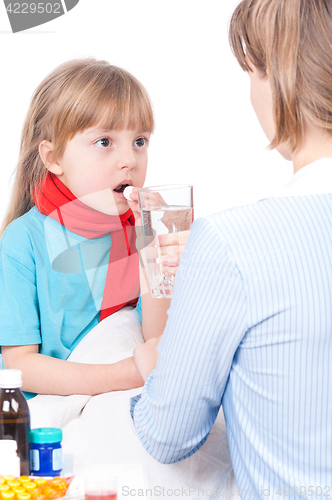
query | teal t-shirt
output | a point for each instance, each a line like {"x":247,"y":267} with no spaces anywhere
{"x":51,"y":284}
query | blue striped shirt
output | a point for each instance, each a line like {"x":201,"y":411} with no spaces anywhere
{"x":250,"y":328}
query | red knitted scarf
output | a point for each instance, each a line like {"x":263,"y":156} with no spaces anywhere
{"x":55,"y":200}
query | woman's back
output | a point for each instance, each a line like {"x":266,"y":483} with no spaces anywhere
{"x":250,"y":328}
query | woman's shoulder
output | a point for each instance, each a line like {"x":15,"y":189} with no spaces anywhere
{"x":268,"y":219}
{"x":230,"y":215}
{"x":261,"y":216}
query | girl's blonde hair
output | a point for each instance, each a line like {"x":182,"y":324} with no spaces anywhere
{"x":291,"y":42}
{"x":77,"y":95}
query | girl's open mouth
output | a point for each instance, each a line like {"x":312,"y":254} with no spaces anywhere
{"x":119,"y":190}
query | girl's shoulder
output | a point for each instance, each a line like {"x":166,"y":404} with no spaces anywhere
{"x":22,"y":231}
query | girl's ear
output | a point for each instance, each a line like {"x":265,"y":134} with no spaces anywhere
{"x":45,"y":152}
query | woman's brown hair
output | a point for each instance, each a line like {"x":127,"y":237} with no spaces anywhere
{"x":291,"y":42}
{"x":77,"y":95}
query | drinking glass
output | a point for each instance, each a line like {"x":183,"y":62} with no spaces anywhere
{"x":167,"y":215}
{"x":101,"y":487}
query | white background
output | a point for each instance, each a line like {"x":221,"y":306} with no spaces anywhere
{"x":206,"y":131}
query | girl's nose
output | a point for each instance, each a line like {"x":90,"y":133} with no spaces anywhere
{"x":127,"y":159}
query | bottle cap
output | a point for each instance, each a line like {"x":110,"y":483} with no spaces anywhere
{"x":45,"y":435}
{"x":127,"y":192}
{"x":10,"y":379}
{"x":8,"y":445}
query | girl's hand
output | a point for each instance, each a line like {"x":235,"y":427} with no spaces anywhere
{"x":134,"y":205}
{"x":64,"y":377}
{"x":154,"y":199}
{"x":146,"y":357}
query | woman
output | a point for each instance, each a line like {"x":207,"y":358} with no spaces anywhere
{"x":250,"y":325}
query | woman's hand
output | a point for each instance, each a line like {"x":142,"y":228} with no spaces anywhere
{"x":171,"y":247}
{"x":146,"y":357}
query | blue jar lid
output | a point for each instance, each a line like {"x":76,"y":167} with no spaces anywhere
{"x":45,"y":435}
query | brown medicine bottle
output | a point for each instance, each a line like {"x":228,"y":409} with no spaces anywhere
{"x":15,"y":415}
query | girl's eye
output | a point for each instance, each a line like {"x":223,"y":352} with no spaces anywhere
{"x":103,"y":143}
{"x":141,"y":142}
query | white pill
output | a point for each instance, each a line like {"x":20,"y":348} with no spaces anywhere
{"x":127,"y":192}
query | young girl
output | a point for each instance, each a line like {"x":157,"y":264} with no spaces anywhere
{"x":68,"y":257}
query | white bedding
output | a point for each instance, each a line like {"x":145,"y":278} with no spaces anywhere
{"x":99,"y":430}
